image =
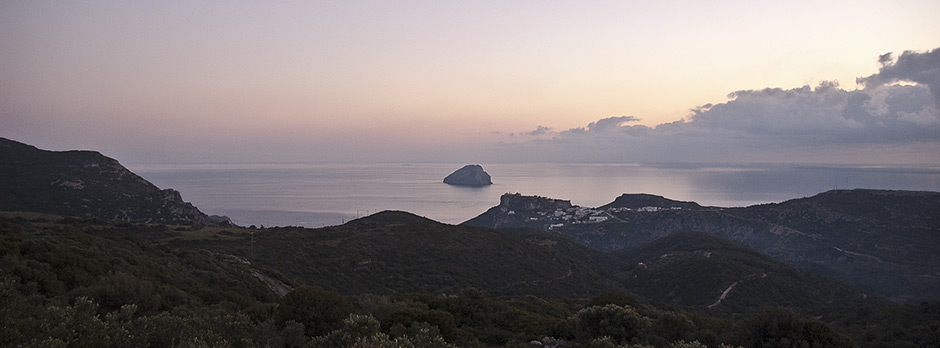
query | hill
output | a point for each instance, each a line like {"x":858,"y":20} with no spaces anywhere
{"x":629,"y":221}
{"x":884,"y":242}
{"x":85,"y":184}
{"x":397,"y":252}
{"x":90,"y":282}
{"x":706,"y":273}
{"x":115,"y":265}
{"x":646,"y":201}
{"x":887,"y":241}
{"x":68,"y":281}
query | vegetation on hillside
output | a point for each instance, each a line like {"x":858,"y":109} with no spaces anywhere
{"x":395,"y":252}
{"x":883,"y":242}
{"x":87,"y":184}
{"x":80,"y":282}
{"x":728,"y":277}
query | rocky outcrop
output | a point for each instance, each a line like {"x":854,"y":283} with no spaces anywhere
{"x":516,"y":201}
{"x":516,"y":210}
{"x":85,"y":184}
{"x":471,"y":175}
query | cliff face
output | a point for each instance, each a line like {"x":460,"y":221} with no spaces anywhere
{"x":470,"y":175}
{"x":86,"y":184}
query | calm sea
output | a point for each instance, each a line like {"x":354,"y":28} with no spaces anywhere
{"x":315,"y":195}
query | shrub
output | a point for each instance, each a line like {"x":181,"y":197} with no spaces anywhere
{"x":319,"y":310}
{"x":621,"y":324}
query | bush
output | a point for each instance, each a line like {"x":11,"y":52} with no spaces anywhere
{"x":320,"y":311}
{"x":780,"y":327}
{"x":621,"y":324}
{"x":362,"y":331}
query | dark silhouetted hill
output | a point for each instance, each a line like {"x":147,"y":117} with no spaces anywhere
{"x":396,"y":252}
{"x":85,"y":184}
{"x":884,"y":242}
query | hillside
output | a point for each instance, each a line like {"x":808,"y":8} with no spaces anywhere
{"x":90,"y":282}
{"x":706,"y":273}
{"x":629,"y":221}
{"x":85,"y":184}
{"x":114,"y":265}
{"x":887,"y":241}
{"x":884,"y":242}
{"x":396,"y":252}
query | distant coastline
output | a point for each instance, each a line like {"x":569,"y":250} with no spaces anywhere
{"x":316,"y":194}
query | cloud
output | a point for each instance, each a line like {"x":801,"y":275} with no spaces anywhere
{"x":614,"y":123}
{"x":827,"y":114}
{"x":877,"y":124}
{"x":609,"y":123}
{"x":886,"y":59}
{"x":923,"y":68}
{"x":540,"y":130}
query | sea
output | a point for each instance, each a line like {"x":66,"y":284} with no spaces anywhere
{"x":317,"y":194}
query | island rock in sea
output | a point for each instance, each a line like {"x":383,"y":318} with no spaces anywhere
{"x":470,"y":175}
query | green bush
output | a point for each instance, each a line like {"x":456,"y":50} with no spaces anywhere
{"x":319,"y":310}
{"x":621,"y":324}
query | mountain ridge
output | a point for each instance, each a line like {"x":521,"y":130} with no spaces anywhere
{"x":883,"y":241}
{"x":395,"y":252}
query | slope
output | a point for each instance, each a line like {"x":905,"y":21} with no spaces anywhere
{"x":884,"y":242}
{"x":395,"y":252}
{"x":702,"y":272}
{"x":114,"y":265}
{"x":85,"y":184}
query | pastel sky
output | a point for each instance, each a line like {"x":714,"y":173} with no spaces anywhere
{"x":482,"y":81}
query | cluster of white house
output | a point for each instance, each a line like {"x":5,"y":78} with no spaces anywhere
{"x":642,"y":209}
{"x":579,"y":215}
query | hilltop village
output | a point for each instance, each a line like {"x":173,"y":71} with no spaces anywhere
{"x":550,"y":213}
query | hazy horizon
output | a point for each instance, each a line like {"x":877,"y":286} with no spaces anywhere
{"x":495,"y":82}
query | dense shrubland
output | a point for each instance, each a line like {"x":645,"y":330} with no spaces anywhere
{"x":87,"y":283}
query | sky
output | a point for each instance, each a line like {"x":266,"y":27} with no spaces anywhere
{"x":151,"y":82}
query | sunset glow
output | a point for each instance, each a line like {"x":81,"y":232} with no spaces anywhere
{"x":165,"y":82}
